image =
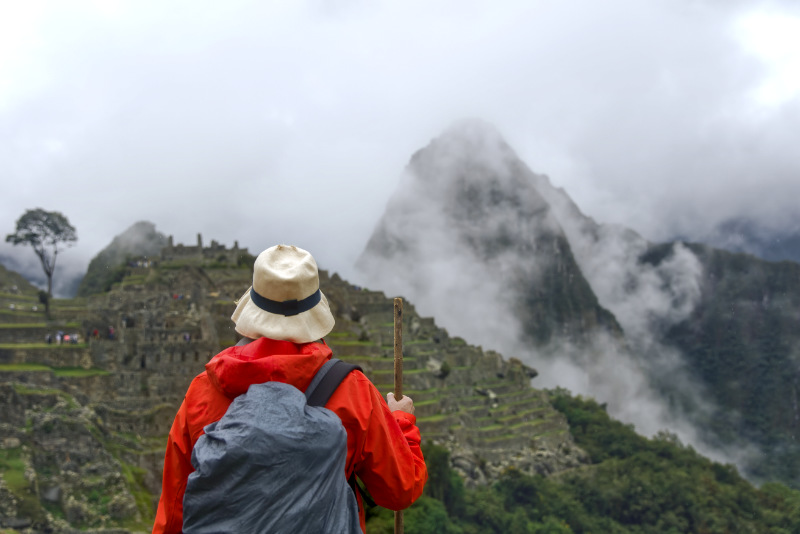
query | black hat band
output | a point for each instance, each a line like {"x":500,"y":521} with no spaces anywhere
{"x":287,"y":307}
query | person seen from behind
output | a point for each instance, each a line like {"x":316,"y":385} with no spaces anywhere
{"x":283,"y":319}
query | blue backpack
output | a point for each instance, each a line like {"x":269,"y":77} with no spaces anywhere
{"x":274,"y":463}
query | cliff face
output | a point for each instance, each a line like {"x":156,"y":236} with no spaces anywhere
{"x":468,"y":234}
{"x":504,"y":259}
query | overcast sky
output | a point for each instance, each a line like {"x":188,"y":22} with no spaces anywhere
{"x":291,"y":121}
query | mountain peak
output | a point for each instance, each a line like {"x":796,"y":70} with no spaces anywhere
{"x":474,"y":131}
{"x":467,"y":144}
{"x":467,"y":230}
{"x":140,"y":239}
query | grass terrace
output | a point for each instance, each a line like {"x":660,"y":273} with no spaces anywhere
{"x":25,"y":367}
{"x":71,"y":372}
{"x":51,"y":346}
{"x":353,"y":343}
{"x":12,"y":326}
{"x":78,"y":372}
{"x":19,"y":297}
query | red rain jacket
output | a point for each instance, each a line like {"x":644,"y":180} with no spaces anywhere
{"x":383,"y":447}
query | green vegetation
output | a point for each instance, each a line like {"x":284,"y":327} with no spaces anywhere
{"x":16,"y":297}
{"x":633,"y":485}
{"x":48,"y":233}
{"x":78,"y":372}
{"x":57,"y":371}
{"x":97,"y":489}
{"x":16,"y":326}
{"x":135,"y":477}
{"x":110,"y":266}
{"x":29,"y":315}
{"x":13,"y":469}
{"x":50,"y":346}
{"x":10,"y":367}
{"x":354,"y":343}
{"x":740,"y":343}
{"x":27,"y":390}
{"x":340,"y":335}
{"x":15,"y":287}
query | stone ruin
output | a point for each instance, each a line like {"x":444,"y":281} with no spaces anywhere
{"x":215,"y":252}
{"x":119,"y":391}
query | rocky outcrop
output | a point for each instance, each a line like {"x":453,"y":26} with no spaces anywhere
{"x":58,"y":467}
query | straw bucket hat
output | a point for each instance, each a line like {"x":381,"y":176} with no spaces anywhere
{"x":284,"y":301}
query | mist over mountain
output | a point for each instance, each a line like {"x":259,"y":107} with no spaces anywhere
{"x":14,"y":283}
{"x":141,"y":239}
{"x":454,"y":233}
{"x":504,"y":259}
{"x":741,"y":234}
{"x":23,"y":260}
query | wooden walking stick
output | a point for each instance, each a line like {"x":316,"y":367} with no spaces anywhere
{"x":398,"y":380}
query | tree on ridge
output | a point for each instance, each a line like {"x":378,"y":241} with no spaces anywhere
{"x":45,"y":231}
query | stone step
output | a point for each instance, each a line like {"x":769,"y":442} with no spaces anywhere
{"x":541,"y":413}
{"x":521,"y":402}
{"x":23,"y":333}
{"x":22,"y":315}
{"x":534,"y":431}
{"x":381,"y":365}
{"x":492,"y":432}
{"x":436,"y":424}
{"x":427,"y":408}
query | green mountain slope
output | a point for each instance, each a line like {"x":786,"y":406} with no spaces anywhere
{"x":742,"y":340}
{"x":108,"y":267}
{"x":14,"y":283}
{"x":633,"y":485}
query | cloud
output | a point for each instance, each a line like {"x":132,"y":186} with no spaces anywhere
{"x":291,"y":122}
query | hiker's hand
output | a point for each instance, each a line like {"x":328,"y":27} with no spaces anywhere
{"x":404,"y":405}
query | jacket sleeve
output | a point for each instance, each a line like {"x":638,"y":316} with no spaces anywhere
{"x":177,"y":467}
{"x":392,"y":466}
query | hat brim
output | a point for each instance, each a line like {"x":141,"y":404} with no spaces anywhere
{"x":253,"y":322}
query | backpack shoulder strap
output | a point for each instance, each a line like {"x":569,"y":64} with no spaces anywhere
{"x":322,"y":386}
{"x":327,"y":379}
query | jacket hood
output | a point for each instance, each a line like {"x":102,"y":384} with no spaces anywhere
{"x":234,"y":369}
